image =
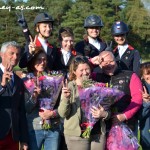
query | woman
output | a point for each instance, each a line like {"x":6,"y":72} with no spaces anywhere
{"x":70,"y":109}
{"x":43,"y":25}
{"x":92,"y":45}
{"x":127,"y":57}
{"x":66,"y":52}
{"x":144,"y":115}
{"x":38,"y":134}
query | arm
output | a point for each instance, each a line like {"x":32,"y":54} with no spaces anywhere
{"x":136,"y":62}
{"x":144,"y":111}
{"x":23,"y":24}
{"x":136,"y":97}
{"x":30,"y":103}
{"x":65,"y":106}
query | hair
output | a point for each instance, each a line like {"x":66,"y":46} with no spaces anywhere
{"x":65,"y":32}
{"x":144,"y":69}
{"x":107,"y":52}
{"x":31,"y":62}
{"x":9,"y":44}
{"x":74,"y":65}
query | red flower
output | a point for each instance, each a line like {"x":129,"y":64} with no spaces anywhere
{"x":42,"y":78}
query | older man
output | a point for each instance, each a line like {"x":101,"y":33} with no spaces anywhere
{"x":13,"y":126}
{"x":126,"y":81}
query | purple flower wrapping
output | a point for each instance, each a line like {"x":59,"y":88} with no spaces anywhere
{"x":95,"y":96}
{"x":49,"y":87}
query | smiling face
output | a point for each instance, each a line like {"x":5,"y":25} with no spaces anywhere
{"x":146,"y":76}
{"x":120,"y":39}
{"x":67,"y":43}
{"x":44,"y":29}
{"x":82,"y":70}
{"x":93,"y":32}
{"x":11,"y":56}
{"x":40,"y":63}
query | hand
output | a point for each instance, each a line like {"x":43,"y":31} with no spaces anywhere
{"x":109,"y":46}
{"x":23,"y":146}
{"x":118,"y":118}
{"x":32,"y":45}
{"x":7,"y":75}
{"x":65,"y":90}
{"x":98,"y":112}
{"x":46,"y":114}
{"x":95,"y":60}
{"x":21,"y":20}
{"x":145,"y":95}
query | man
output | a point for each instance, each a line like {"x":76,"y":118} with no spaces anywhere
{"x":126,"y":81}
{"x":13,"y":126}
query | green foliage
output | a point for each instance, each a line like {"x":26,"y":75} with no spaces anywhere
{"x":72,"y":13}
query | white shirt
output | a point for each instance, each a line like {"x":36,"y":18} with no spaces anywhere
{"x":94,"y":42}
{"x":66,"y":56}
{"x":122,"y":49}
{"x":43,"y":43}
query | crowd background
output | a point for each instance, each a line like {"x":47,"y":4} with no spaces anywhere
{"x":71,"y":13}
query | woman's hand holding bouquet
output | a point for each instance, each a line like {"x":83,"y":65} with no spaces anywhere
{"x":98,"y":112}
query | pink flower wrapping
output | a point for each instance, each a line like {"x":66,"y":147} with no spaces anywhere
{"x":121,"y":137}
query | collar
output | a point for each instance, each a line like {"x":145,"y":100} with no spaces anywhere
{"x":42,"y":40}
{"x":92,"y":41}
{"x":65,"y":52}
{"x":123,"y":47}
{"x":2,"y":67}
{"x":38,"y":43}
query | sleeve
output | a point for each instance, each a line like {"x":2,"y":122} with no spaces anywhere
{"x":136,"y":96}
{"x":136,"y":62}
{"x":23,"y":120}
{"x":2,"y":89}
{"x":30,"y":104}
{"x":144,"y":111}
{"x":25,"y":57}
{"x":27,"y":35}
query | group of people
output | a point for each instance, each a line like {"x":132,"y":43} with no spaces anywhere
{"x":20,"y":113}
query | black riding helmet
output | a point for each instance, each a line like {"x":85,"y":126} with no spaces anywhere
{"x":119,"y":27}
{"x":43,"y":17}
{"x":93,"y":21}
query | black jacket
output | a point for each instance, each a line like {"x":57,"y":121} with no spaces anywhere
{"x":12,"y":110}
{"x":86,"y":49}
{"x":130,"y":60}
{"x":51,"y":54}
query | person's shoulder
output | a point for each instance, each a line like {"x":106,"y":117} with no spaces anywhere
{"x":80,"y":43}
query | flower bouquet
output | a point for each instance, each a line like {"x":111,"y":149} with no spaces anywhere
{"x":121,"y":137}
{"x":95,"y":94}
{"x":50,"y":85}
